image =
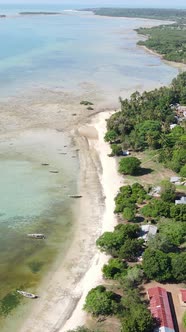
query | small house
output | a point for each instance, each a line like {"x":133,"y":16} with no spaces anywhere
{"x":182,"y":200}
{"x":148,"y":232}
{"x":155,"y":191}
{"x":175,"y":179}
{"x":172,"y":126}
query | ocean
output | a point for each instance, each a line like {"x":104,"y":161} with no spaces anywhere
{"x":74,"y":52}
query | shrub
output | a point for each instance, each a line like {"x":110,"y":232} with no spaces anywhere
{"x":129,"y":165}
{"x":99,"y":301}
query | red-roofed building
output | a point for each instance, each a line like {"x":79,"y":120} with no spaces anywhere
{"x":160,"y":309}
{"x":183,"y":295}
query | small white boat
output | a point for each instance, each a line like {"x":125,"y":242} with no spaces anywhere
{"x":36,"y":236}
{"x":28,"y":295}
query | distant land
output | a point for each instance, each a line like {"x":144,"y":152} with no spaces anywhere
{"x":2,"y":16}
{"x":39,"y":13}
{"x":178,"y":15}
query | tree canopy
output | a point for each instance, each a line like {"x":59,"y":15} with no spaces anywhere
{"x":129,"y":165}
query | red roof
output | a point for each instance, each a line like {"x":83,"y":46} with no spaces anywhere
{"x":159,"y":306}
{"x":183,"y":294}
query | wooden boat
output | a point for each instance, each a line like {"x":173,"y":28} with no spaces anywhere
{"x":75,"y":196}
{"x":36,"y":236}
{"x":28,"y":295}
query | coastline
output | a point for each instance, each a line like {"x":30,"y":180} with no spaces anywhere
{"x":60,"y":308}
{"x":109,"y":172}
{"x":180,"y":66}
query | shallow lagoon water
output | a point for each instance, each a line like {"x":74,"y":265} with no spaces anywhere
{"x":64,"y":52}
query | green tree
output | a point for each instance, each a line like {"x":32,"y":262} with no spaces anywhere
{"x":131,"y":249}
{"x":129,"y":165}
{"x":99,"y":301}
{"x":174,"y":232}
{"x":114,"y":268}
{"x":110,"y":136}
{"x":133,"y":278}
{"x":178,"y":212}
{"x":168,"y":191}
{"x":129,"y":214}
{"x":157,"y":265}
{"x":179,"y":267}
{"x":110,"y":242}
{"x":136,"y":317}
{"x":183,"y":171}
{"x":116,"y":150}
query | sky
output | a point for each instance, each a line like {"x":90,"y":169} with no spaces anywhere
{"x":113,"y":3}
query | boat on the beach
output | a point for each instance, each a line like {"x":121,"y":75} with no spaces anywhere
{"x":28,"y":295}
{"x":55,"y":172}
{"x":75,"y":196}
{"x":36,"y":236}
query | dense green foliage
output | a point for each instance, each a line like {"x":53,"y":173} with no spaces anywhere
{"x":128,"y":197}
{"x":157,"y":265}
{"x":183,"y":171}
{"x":114,"y":269}
{"x":136,"y":317}
{"x":168,"y":40}
{"x":116,"y":150}
{"x":99,"y":301}
{"x":179,"y":267}
{"x":154,"y":13}
{"x":156,"y":208}
{"x":129,"y":165}
{"x":144,"y":122}
{"x":168,"y":191}
{"x":162,"y":267}
{"x":114,"y":243}
{"x":174,"y":232}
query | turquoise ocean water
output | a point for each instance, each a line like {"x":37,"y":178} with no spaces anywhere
{"x":56,"y":52}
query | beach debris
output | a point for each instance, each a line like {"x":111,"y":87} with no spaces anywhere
{"x":36,"y":236}
{"x":28,"y":295}
{"x":63,"y":153}
{"x":75,"y":196}
{"x":45,"y":164}
{"x":55,"y":172}
{"x":65,"y":146}
{"x":74,"y":114}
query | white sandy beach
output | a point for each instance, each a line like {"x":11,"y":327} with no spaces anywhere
{"x":65,"y":288}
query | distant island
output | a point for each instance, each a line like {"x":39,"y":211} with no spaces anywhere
{"x":178,"y":15}
{"x":39,"y":13}
{"x":2,"y":16}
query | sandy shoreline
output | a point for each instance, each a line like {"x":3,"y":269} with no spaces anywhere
{"x":180,"y":66}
